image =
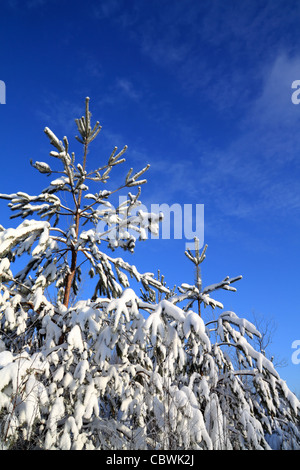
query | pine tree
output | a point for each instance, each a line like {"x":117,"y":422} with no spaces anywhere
{"x":118,"y":370}
{"x":55,"y":259}
{"x":249,"y":407}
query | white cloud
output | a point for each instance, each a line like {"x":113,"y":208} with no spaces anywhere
{"x":127,"y":88}
{"x":29,"y":4}
{"x":257,"y":174}
{"x":106,"y":8}
{"x":262,"y":162}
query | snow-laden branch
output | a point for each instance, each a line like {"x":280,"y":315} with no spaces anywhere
{"x":9,"y":238}
{"x":225,"y":284}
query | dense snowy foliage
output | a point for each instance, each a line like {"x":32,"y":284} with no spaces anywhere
{"x":121,"y":371}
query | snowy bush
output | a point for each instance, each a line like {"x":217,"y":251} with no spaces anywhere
{"x":121,"y":371}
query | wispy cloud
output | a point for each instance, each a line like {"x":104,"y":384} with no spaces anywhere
{"x":127,"y":88}
{"x":59,"y":114}
{"x":264,"y":159}
{"x":256,"y":175}
{"x":207,"y":46}
{"x":106,"y":8}
{"x":28,"y":4}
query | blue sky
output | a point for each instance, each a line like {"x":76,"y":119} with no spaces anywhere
{"x":201,"y":90}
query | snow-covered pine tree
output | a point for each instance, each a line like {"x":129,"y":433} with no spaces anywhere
{"x":249,"y":407}
{"x":55,"y":256}
{"x":53,"y":249}
{"x":118,"y":371}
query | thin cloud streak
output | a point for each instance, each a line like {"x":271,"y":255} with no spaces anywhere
{"x":252,"y":176}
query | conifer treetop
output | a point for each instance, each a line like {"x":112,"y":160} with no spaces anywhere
{"x":64,"y":247}
{"x":196,"y":293}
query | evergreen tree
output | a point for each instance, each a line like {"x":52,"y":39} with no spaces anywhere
{"x":57,"y":257}
{"x":118,"y":370}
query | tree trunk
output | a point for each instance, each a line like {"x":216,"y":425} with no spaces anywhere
{"x":71,"y":274}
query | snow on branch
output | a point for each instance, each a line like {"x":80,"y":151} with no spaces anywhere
{"x":225,"y":284}
{"x":9,"y":238}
